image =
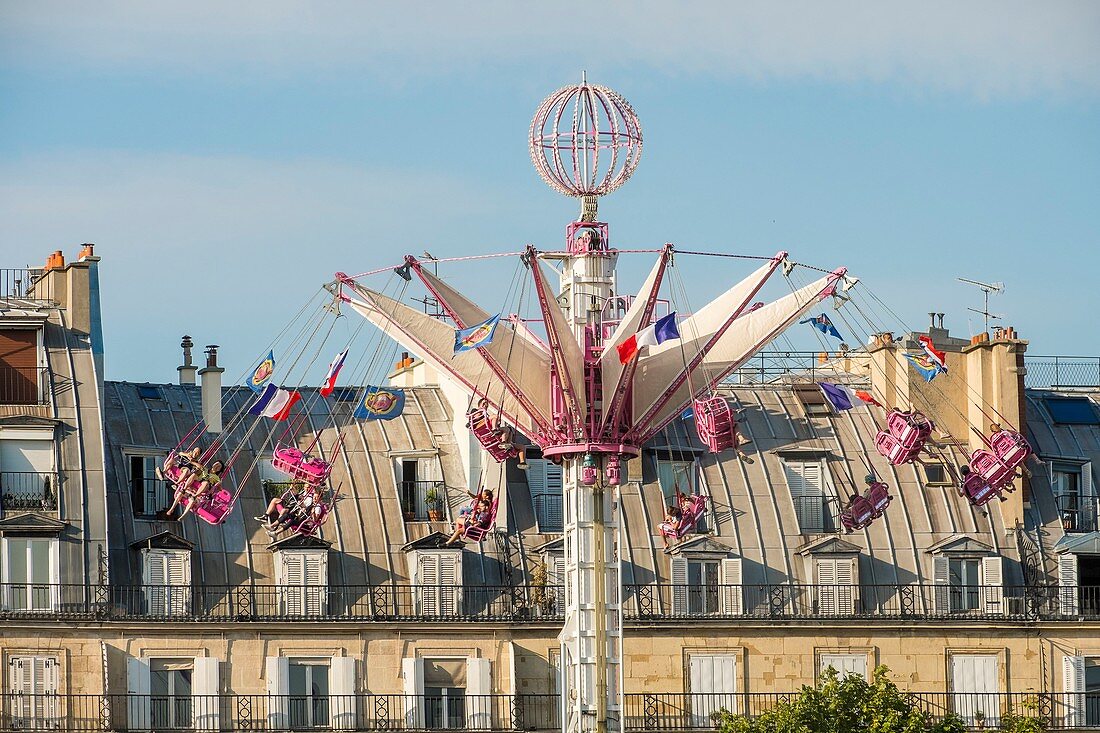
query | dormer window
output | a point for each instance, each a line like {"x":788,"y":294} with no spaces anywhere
{"x":301,"y":571}
{"x":419,"y":488}
{"x":544,"y":481}
{"x":435,"y":570}
{"x":706,"y":580}
{"x":806,"y":480}
{"x":166,"y":574}
{"x":22,"y":376}
{"x":28,"y":467}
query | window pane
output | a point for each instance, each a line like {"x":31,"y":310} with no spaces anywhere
{"x":158,"y":682}
{"x":298,"y":679}
{"x":1072,"y":410}
{"x":40,"y":561}
{"x":17,"y":561}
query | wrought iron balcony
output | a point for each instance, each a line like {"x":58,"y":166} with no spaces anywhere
{"x":671,"y":711}
{"x":415,"y":504}
{"x":1079,"y":513}
{"x":28,"y":491}
{"x":21,"y":284}
{"x":24,"y":386}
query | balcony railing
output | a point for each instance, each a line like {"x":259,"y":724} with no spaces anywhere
{"x":548,"y":512}
{"x":24,"y":386}
{"x":544,"y":603}
{"x":414,"y":499}
{"x":1078,"y":513}
{"x":672,"y":711}
{"x":24,"y":284}
{"x":667,"y":601}
{"x":28,"y":491}
{"x":1062,"y":371}
{"x":521,"y":603}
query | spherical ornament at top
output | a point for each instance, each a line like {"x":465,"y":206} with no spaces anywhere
{"x":585,"y":140}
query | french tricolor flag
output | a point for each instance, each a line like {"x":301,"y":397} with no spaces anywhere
{"x":333,"y":371}
{"x":663,"y":330}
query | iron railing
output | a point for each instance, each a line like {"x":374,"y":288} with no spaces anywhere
{"x":544,"y":603}
{"x":414,"y":500}
{"x":908,"y":601}
{"x":548,"y":512}
{"x":231,"y":712}
{"x":1079,"y":513}
{"x":24,"y":284}
{"x":24,"y":385}
{"x":519,"y":603}
{"x":802,"y":366}
{"x":671,"y":711}
{"x":28,"y":491}
{"x":1062,"y":371}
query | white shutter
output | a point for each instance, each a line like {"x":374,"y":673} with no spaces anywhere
{"x":450,"y":585}
{"x":1073,"y":687}
{"x":804,"y":479}
{"x":342,"y":693}
{"x":427,"y":583}
{"x":178,"y":579}
{"x":412,"y":670}
{"x":292,"y":580}
{"x":845,"y":664}
{"x":732,"y":598}
{"x":713,"y":680}
{"x":278,"y":691}
{"x":34,"y":703}
{"x":941,"y":578}
{"x":315,"y":575}
{"x":679,"y":586}
{"x":975,"y":687}
{"x":1068,"y":600}
{"x":137,"y":688}
{"x":828,"y":603}
{"x":205,"y":691}
{"x":479,"y":708}
{"x":847,"y":585}
{"x":992,"y":585}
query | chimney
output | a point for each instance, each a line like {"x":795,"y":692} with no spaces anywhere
{"x":211,"y":376}
{"x":187,"y":369}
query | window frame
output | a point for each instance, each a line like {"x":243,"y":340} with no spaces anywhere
{"x":691,"y":471}
{"x":157,"y":457}
{"x":177,"y":703}
{"x":318,"y":711}
{"x":52,"y":571}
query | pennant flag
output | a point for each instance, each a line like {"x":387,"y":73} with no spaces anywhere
{"x":262,"y":401}
{"x":261,"y":375}
{"x":476,"y":336}
{"x":927,"y":368}
{"x":380,"y":403}
{"x":823,"y":324}
{"x":840,"y":396}
{"x":939,"y":358}
{"x":866,"y":397}
{"x":688,"y":414}
{"x":333,"y":370}
{"x":665,"y":329}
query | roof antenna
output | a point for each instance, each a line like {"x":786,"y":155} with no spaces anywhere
{"x":986,"y":288}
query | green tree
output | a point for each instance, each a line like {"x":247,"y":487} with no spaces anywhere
{"x":848,"y":705}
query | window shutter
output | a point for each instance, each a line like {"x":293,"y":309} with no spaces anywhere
{"x":713,"y":681}
{"x":449,"y":585}
{"x":342,"y":693}
{"x":315,"y":579}
{"x":278,"y":690}
{"x":845,"y":664}
{"x":412,"y":670}
{"x":679,"y":586}
{"x":137,"y":688}
{"x":292,"y":580}
{"x":992,"y":585}
{"x":478,"y":690}
{"x":205,"y":691}
{"x":536,"y":475}
{"x":427,"y":583}
{"x":847,"y":585}
{"x":975,"y":687}
{"x":1073,"y":686}
{"x":826,"y":586}
{"x":156,"y":581}
{"x":177,"y":567}
{"x":804,"y":480}
{"x":1067,"y":585}
{"x":941,"y":578}
{"x":732,"y":598}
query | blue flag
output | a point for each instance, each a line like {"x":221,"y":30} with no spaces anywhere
{"x":476,"y":336}
{"x":823,"y":324}
{"x":261,"y":375}
{"x":927,"y":368}
{"x":380,"y":403}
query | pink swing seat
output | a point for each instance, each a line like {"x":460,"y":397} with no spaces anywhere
{"x":978,"y":491}
{"x":482,"y":428}
{"x":859,"y":514}
{"x":688,"y":519}
{"x":212,"y":507}
{"x":993,"y":471}
{"x":477,"y":532}
{"x":300,"y":466}
{"x":309,"y":525}
{"x":1010,"y":447}
{"x":879,"y":496}
{"x":715,"y":424}
{"x":904,"y":436}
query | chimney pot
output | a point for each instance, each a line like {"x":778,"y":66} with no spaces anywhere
{"x":931,"y":320}
{"x":212,"y":390}
{"x":211,"y":355}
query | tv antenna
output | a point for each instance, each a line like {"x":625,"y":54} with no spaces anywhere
{"x":986,"y":288}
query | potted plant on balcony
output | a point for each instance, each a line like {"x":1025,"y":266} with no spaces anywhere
{"x":435,"y":504}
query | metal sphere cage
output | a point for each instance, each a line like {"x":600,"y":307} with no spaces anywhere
{"x":585,"y":140}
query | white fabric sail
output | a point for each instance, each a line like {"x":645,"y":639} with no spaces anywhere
{"x":568,"y":358}
{"x":433,"y":341}
{"x":744,"y":337}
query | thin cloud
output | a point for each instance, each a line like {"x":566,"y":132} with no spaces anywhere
{"x":985,"y":47}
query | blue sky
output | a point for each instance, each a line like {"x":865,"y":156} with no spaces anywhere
{"x":227,"y":160}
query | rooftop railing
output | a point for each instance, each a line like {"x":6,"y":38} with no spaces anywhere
{"x":1062,"y":371}
{"x":644,"y":711}
{"x":24,"y":285}
{"x":798,"y":366}
{"x":545,"y":603}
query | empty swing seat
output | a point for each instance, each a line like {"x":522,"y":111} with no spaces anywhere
{"x":482,"y":428}
{"x":992,"y":470}
{"x":904,"y":436}
{"x":477,"y":532}
{"x":1010,"y":447}
{"x":892,"y":449}
{"x":715,"y":424}
{"x":300,"y":466}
